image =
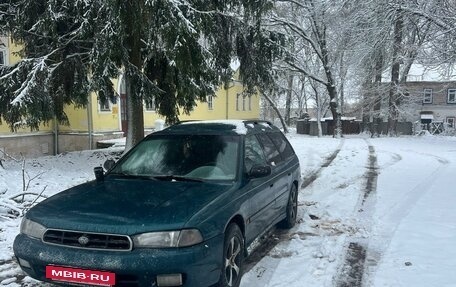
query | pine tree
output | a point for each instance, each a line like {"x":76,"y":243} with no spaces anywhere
{"x":172,"y":51}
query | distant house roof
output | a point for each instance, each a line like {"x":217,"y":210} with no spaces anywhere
{"x":427,"y":116}
{"x":330,"y":119}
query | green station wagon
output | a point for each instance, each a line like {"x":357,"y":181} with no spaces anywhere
{"x":179,"y":209}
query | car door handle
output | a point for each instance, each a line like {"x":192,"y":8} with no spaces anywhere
{"x":271,"y":185}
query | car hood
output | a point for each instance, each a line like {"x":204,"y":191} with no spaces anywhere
{"x":126,"y":206}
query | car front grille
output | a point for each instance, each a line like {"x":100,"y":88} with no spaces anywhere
{"x":87,"y":240}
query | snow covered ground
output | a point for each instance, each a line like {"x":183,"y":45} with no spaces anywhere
{"x":374,"y":212}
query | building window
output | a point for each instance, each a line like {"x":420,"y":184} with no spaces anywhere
{"x":452,"y":96}
{"x":3,"y":57}
{"x":104,"y":105}
{"x":103,"y":102}
{"x":427,"y":98}
{"x":237,"y":101}
{"x":243,"y":102}
{"x":149,"y":105}
{"x":210,"y":102}
{"x":450,"y":122}
{"x":250,"y":102}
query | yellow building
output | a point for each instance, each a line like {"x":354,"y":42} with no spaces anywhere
{"x":107,"y":120}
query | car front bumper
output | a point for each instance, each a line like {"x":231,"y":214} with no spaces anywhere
{"x":199,"y":265}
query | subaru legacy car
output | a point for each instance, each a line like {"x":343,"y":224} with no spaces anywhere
{"x":181,"y":208}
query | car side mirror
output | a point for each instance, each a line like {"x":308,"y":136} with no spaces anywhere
{"x":258,"y":171}
{"x":108,"y":164}
{"x":99,"y":173}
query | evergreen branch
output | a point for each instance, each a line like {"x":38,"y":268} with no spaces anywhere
{"x":16,"y":69}
{"x":210,"y":12}
{"x":188,"y":24}
{"x":22,"y":92}
{"x":297,"y":3}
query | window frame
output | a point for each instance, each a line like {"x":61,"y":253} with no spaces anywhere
{"x":4,"y":54}
{"x":282,"y":144}
{"x":149,"y":105}
{"x":451,"y":92}
{"x":261,"y":159}
{"x":275,"y":158}
{"x":210,"y":102}
{"x":104,"y":106}
{"x":140,"y":155}
{"x":430,"y":93}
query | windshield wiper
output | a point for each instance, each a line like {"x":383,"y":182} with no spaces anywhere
{"x":128,"y":175}
{"x":123,"y":174}
{"x":176,"y":178}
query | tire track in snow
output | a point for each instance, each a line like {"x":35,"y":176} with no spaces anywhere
{"x":352,"y":272}
{"x":314,"y":175}
{"x":372,"y":174}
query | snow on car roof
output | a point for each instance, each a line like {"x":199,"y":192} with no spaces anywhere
{"x":239,"y":125}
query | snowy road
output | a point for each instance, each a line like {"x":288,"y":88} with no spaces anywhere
{"x":382,"y":213}
{"x":373,"y":212}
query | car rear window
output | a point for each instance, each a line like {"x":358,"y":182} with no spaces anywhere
{"x":270,"y":149}
{"x":282,"y":144}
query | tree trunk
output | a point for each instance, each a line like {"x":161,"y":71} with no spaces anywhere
{"x":317,"y":98}
{"x":134,"y":99}
{"x":393,"y":92}
{"x":330,"y":86}
{"x":342,"y":76}
{"x":288,"y":99}
{"x":334,"y":110}
{"x":274,"y":107}
{"x":367,"y":103}
{"x":376,"y":124}
{"x":135,"y":131}
{"x":306,"y":108}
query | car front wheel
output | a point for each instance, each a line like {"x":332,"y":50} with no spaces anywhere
{"x":233,"y":257}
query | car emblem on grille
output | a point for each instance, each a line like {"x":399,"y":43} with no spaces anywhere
{"x":83,"y":240}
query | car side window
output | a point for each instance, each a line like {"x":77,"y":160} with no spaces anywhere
{"x":282,"y":144}
{"x":253,"y":153}
{"x":272,"y":154}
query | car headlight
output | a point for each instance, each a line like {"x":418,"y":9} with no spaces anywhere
{"x":31,"y":228}
{"x":163,"y":239}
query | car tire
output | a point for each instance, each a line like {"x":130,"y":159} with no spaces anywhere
{"x":233,"y":257}
{"x":292,"y":209}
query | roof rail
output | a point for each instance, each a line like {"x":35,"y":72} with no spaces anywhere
{"x":186,"y":121}
{"x":257,"y":122}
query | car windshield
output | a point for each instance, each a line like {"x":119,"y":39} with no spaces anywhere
{"x":208,"y":157}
